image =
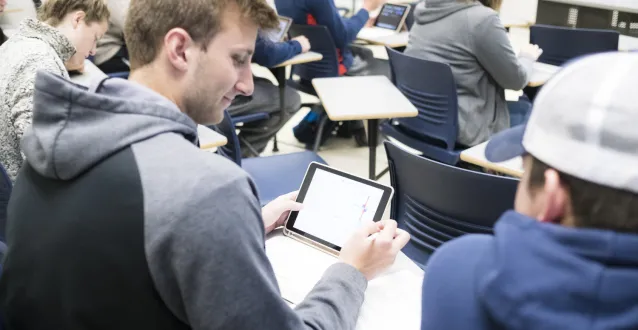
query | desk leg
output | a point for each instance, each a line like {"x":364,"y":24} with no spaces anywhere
{"x":373,"y":131}
{"x":280,"y":75}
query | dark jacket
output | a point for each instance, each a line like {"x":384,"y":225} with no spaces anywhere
{"x":269,"y":54}
{"x":533,"y":275}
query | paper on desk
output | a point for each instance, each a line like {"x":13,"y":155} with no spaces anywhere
{"x":392,"y":300}
{"x":512,"y":95}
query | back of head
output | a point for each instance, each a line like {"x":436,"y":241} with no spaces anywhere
{"x":148,"y":21}
{"x":494,"y":4}
{"x":53,"y":12}
{"x":581,"y":142}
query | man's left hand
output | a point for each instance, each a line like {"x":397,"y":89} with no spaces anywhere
{"x":276,"y":212}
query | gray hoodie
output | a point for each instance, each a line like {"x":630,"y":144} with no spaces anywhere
{"x":471,"y":39}
{"x":134,"y":227}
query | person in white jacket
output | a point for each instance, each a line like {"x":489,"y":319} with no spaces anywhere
{"x":64,"y":34}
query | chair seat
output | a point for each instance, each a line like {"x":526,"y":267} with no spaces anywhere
{"x":304,"y":86}
{"x":443,"y":155}
{"x":280,"y":174}
{"x":249,"y":118}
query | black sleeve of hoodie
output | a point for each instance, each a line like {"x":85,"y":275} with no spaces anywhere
{"x":493,"y":49}
{"x":211,"y":269}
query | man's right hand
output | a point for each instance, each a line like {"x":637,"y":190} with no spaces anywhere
{"x":371,"y":256}
{"x":531,"y":51}
{"x":372,"y":5}
{"x":303,"y":41}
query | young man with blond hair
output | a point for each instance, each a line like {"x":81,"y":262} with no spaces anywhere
{"x":119,"y":221}
{"x":65,"y":33}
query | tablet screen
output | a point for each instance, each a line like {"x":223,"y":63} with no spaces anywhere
{"x":390,"y":16}
{"x":277,"y":34}
{"x":336,"y":204}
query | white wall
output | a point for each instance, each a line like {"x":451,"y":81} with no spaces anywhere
{"x":12,"y":20}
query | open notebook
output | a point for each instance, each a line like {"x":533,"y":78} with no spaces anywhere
{"x":392,"y":300}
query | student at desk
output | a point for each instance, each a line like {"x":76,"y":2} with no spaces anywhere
{"x":324,"y":12}
{"x":469,"y":36}
{"x":567,"y":258}
{"x":119,"y":221}
{"x":265,"y":97}
{"x":64,"y":34}
{"x":343,"y":32}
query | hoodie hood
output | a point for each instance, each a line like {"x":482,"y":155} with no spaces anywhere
{"x":75,"y":128}
{"x":548,"y":276}
{"x":429,"y":11}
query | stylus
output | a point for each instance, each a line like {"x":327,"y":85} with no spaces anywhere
{"x":373,"y":236}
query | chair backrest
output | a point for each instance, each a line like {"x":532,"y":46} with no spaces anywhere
{"x":232,"y":149}
{"x":562,"y":44}
{"x":322,"y":43}
{"x":431,"y":88}
{"x":436,"y":202}
{"x":5,"y":193}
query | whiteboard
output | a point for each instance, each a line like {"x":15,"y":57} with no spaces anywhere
{"x":621,"y":5}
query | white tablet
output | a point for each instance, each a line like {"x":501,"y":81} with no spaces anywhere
{"x":336,"y":204}
{"x":392,"y":16}
{"x":279,"y":33}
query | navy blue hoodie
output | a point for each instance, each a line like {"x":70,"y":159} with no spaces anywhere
{"x":269,"y":54}
{"x":533,"y":275}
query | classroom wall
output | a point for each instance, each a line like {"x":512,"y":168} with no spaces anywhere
{"x":519,"y":10}
{"x":12,"y":20}
{"x":631,"y":4}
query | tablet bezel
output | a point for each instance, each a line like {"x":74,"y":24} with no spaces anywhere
{"x":288,"y":21}
{"x":290,"y":230}
{"x":403,"y":18}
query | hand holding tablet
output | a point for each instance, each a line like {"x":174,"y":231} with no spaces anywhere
{"x":341,"y":212}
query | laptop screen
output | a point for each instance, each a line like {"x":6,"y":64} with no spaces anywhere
{"x":277,"y":34}
{"x":390,"y":16}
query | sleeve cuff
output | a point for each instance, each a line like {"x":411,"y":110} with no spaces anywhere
{"x":296,"y":46}
{"x":349,"y":275}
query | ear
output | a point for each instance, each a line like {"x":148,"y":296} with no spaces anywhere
{"x":178,"y":44}
{"x":555,"y":198}
{"x":77,"y":17}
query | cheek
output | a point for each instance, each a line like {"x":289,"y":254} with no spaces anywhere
{"x":524,"y":203}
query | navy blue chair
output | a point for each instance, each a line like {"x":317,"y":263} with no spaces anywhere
{"x":273,"y":175}
{"x":239,"y":121}
{"x":561,"y":44}
{"x":431,"y":88}
{"x":5,"y":193}
{"x":436,"y":202}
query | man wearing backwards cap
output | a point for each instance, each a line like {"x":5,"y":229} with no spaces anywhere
{"x":568,"y":257}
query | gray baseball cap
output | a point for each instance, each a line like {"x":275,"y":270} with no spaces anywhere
{"x":584,"y":123}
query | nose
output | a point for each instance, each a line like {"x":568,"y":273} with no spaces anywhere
{"x":93,"y":50}
{"x":245,"y":85}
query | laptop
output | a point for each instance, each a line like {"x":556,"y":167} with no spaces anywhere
{"x":279,"y":34}
{"x":390,"y":21}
